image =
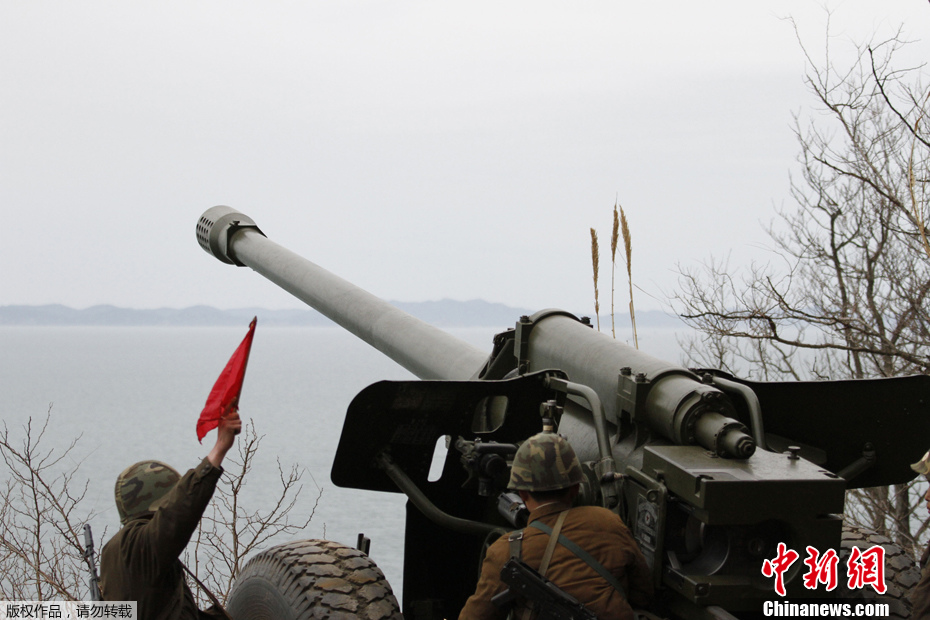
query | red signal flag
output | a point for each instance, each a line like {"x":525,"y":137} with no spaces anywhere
{"x":226,"y":390}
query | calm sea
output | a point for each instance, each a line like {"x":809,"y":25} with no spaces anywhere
{"x":133,"y":393}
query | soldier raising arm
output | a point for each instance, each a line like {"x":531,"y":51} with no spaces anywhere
{"x":159,"y":511}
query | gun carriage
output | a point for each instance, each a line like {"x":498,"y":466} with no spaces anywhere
{"x":709,"y":471}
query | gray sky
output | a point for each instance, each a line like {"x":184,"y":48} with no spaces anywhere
{"x":423,"y":150}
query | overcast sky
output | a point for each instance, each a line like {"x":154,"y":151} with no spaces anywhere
{"x":421,"y":150}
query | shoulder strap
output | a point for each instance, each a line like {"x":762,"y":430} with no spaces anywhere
{"x":550,"y":548}
{"x":583,"y":555}
{"x":515,"y":539}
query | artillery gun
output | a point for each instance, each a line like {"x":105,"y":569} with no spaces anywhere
{"x":710,"y":472}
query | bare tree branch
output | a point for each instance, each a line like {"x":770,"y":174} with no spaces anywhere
{"x":847,"y":293}
{"x":41,"y":518}
{"x":229,"y":532}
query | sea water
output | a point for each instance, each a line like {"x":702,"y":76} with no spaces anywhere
{"x":134,"y":393}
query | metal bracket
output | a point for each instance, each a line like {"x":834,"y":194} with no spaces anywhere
{"x":523,"y":328}
{"x":861,"y":464}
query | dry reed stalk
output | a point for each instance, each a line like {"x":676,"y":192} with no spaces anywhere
{"x":628,"y":246}
{"x":595,"y":263}
{"x":613,"y":266}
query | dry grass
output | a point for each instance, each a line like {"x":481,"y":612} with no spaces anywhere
{"x":621,"y":229}
{"x":628,"y":246}
{"x":614,"y":237}
{"x":595,"y":264}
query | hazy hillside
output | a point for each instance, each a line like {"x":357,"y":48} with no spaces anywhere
{"x":445,"y":313}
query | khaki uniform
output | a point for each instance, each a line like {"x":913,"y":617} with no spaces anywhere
{"x":920,"y":595}
{"x":596,"y":530}
{"x":140,"y":563}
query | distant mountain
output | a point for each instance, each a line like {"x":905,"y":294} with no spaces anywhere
{"x":445,"y":313}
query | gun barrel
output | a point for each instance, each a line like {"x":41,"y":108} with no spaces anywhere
{"x":677,"y":404}
{"x":424,"y":350}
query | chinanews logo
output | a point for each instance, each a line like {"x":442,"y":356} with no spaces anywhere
{"x":864,"y":569}
{"x":826,"y":610}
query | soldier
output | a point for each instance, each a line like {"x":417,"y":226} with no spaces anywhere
{"x":920,"y":595}
{"x":546,"y":473}
{"x":159,"y":511}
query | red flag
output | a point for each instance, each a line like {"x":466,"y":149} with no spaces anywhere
{"x":226,"y":390}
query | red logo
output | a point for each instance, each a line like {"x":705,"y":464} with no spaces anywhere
{"x":777,"y":567}
{"x":864,"y":568}
{"x":867,"y":568}
{"x":821,"y":569}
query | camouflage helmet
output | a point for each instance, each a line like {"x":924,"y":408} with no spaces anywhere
{"x":545,"y":462}
{"x":923,"y":465}
{"x":141,"y":486}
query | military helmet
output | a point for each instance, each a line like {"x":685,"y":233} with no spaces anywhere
{"x":923,"y":465}
{"x":545,"y":462}
{"x":141,"y":486}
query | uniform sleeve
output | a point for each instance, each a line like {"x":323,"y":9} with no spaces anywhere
{"x":479,"y":605}
{"x":920,"y":596}
{"x":640,"y":579}
{"x":639,"y":575}
{"x":167,"y":533}
{"x":635,"y":575}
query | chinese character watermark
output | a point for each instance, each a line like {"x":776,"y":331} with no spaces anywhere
{"x":863,"y":568}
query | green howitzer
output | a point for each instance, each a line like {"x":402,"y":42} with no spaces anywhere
{"x":709,"y":471}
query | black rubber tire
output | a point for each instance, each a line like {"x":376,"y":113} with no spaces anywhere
{"x":311,"y":579}
{"x":901,"y":572}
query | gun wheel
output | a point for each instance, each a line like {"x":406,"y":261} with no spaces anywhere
{"x":309,"y":579}
{"x":901,"y":573}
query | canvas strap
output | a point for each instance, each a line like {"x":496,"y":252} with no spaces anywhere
{"x":550,"y":548}
{"x":516,"y":544}
{"x":516,"y":551}
{"x":583,"y":555}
